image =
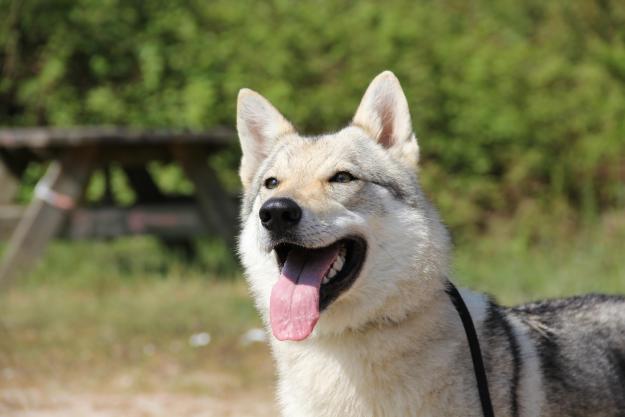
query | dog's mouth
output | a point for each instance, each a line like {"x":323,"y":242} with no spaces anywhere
{"x":310,"y":280}
{"x":341,"y":273}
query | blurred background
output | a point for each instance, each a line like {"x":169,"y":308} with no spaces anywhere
{"x":520,"y":112}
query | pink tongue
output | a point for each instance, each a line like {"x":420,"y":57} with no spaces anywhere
{"x":294,"y":303}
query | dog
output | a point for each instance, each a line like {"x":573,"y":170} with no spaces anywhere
{"x":348,"y":263}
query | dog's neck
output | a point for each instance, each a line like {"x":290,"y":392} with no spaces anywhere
{"x":354,"y":369}
{"x":435,"y":320}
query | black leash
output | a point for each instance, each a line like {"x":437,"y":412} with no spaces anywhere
{"x":474,"y":346}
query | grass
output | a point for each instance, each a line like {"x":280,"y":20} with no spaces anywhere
{"x":143,"y":330}
{"x":515,"y":268}
{"x":140,"y":330}
{"x":120,"y":315}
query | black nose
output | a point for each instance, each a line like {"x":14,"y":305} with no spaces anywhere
{"x":280,"y":214}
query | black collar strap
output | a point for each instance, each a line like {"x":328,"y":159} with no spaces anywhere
{"x":474,"y":346}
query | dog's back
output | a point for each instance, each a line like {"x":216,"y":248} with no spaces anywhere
{"x":580,"y":343}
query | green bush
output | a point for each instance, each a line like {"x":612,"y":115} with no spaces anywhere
{"x":518,"y":105}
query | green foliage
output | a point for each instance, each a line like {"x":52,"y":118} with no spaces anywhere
{"x":513,"y":101}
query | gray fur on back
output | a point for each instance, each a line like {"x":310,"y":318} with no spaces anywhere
{"x":580,"y":342}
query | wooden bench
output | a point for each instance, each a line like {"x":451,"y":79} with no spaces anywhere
{"x":74,"y":154}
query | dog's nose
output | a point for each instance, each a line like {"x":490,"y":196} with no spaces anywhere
{"x":280,"y":214}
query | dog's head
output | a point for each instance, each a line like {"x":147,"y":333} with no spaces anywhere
{"x":336,"y":232}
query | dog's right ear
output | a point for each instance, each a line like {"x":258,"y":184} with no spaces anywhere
{"x":259,"y":125}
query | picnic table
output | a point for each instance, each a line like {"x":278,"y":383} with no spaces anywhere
{"x":74,"y":154}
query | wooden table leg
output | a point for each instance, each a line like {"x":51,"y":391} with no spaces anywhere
{"x":8,"y":185}
{"x":57,"y":192}
{"x":9,"y":212}
{"x":147,"y":191}
{"x":143,"y":184}
{"x":216,"y":205}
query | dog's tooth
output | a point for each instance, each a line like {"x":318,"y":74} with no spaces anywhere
{"x":332,"y":273}
{"x":338,"y":264}
{"x":325,"y":280}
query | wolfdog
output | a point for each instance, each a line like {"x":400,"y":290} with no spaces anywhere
{"x":348,"y":263}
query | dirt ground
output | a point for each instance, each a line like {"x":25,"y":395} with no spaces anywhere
{"x":165,"y":348}
{"x":43,"y":403}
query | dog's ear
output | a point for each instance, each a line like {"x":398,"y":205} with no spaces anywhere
{"x":259,"y":125}
{"x":383,"y":113}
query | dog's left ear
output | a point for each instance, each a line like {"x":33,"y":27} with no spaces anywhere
{"x":383,"y":113}
{"x":259,"y":125}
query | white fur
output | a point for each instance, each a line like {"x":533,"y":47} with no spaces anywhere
{"x":531,"y":393}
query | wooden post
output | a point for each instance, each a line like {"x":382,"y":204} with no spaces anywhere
{"x":147,"y":192}
{"x":56,"y":193}
{"x":8,"y":185}
{"x":216,"y":205}
{"x":143,"y":185}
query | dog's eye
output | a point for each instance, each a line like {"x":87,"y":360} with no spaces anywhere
{"x":342,"y":176}
{"x":271,"y":182}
